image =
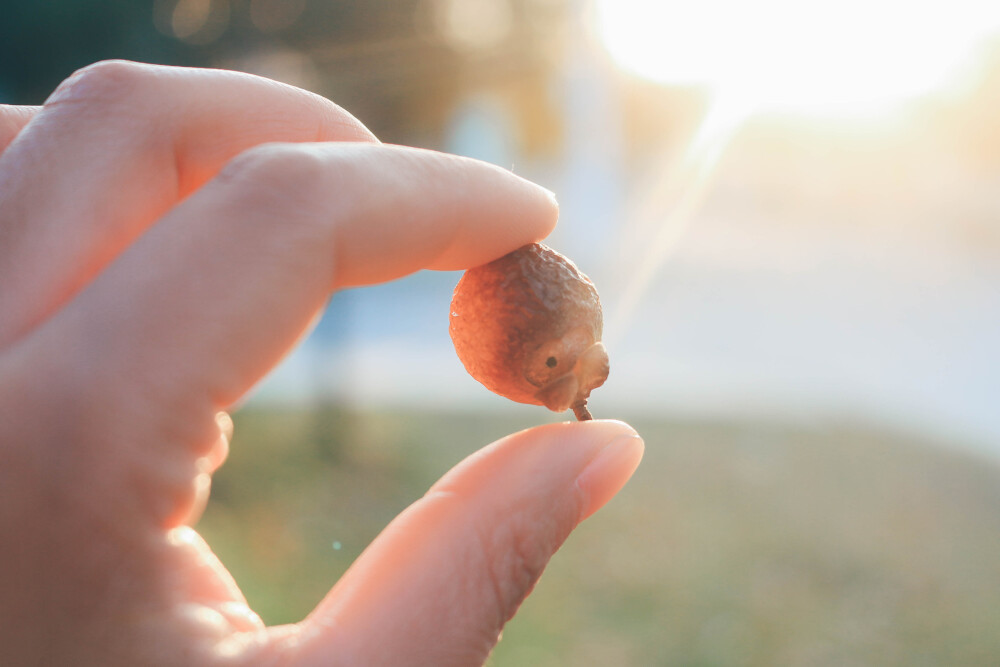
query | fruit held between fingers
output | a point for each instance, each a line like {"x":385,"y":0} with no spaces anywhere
{"x":528,"y":327}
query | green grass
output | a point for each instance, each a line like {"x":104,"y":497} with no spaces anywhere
{"x":735,"y":544}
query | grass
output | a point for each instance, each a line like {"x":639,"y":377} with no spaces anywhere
{"x":735,"y":543}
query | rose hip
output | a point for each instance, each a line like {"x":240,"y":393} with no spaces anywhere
{"x":528,"y":327}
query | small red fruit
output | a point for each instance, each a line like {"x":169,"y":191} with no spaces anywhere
{"x":528,"y":327}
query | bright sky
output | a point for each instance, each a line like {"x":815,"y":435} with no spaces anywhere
{"x":844,"y":58}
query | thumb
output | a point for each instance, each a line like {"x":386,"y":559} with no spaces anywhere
{"x":437,"y":586}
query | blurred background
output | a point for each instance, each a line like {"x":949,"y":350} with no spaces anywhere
{"x":792,"y":213}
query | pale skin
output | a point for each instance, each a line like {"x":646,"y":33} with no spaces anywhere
{"x":166,"y":237}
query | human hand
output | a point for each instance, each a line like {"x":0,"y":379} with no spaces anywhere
{"x":159,"y":253}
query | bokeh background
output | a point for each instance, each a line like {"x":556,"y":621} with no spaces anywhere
{"x":792,"y":212}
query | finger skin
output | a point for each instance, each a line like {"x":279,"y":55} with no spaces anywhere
{"x":208,"y":301}
{"x":110,"y":387}
{"x":116,"y":146}
{"x":453,"y":568}
{"x":12,"y":120}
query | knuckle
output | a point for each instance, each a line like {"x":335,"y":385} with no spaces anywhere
{"x":287,"y":179}
{"x":104,"y":82}
{"x":280,"y":164}
{"x":516,"y":554}
{"x":286,"y":198}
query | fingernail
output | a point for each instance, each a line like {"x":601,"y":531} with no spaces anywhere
{"x":551,"y":195}
{"x":608,"y":472}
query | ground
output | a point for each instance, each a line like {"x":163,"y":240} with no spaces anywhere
{"x":735,"y":543}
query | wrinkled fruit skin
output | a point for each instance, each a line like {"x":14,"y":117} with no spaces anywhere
{"x":528,"y":327}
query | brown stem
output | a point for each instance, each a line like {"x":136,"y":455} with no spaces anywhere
{"x":581,"y":411}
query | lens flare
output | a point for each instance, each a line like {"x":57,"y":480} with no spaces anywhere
{"x":678,"y":188}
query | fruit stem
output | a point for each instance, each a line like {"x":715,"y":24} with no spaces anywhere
{"x":581,"y":412}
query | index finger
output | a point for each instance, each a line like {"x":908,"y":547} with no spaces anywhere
{"x":192,"y":315}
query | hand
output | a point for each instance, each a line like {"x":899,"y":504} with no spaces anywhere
{"x":166,"y":235}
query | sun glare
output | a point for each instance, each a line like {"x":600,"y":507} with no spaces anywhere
{"x":848,"y":58}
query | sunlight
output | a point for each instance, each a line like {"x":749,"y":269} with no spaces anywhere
{"x":849,"y":58}
{"x":855,"y":59}
{"x":662,"y":215}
